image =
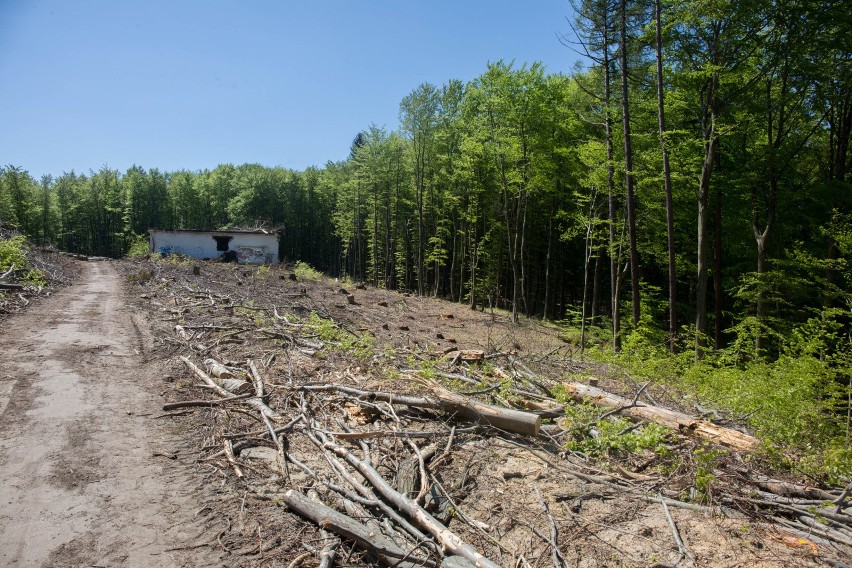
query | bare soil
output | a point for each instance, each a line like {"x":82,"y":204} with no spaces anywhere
{"x":85,"y":468}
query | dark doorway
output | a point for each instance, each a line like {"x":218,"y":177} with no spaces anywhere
{"x":222,"y":243}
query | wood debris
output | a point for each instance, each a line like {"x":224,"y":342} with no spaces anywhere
{"x":413,"y":457}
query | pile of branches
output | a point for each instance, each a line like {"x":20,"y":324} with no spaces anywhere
{"x":382,"y":451}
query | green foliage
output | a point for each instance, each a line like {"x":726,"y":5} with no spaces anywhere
{"x":704,"y":460}
{"x":305,"y":271}
{"x":797,"y":404}
{"x":613,"y":435}
{"x":138,"y":246}
{"x":337,"y":338}
{"x":14,"y":252}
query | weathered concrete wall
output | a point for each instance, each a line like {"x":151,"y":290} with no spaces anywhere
{"x":250,"y":248}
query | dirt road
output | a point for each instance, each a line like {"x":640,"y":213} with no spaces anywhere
{"x":81,"y":481}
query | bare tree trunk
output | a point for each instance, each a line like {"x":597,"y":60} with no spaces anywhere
{"x":708,"y":129}
{"x":596,"y":286}
{"x":613,"y":206}
{"x":547,"y":261}
{"x":587,"y":256}
{"x":667,"y":181}
{"x":717,"y":270}
{"x":628,"y":166}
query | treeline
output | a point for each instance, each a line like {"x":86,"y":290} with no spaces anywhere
{"x":106,"y":212}
{"x":691,"y":180}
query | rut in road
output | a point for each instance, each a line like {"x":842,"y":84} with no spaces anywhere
{"x":81,"y":484}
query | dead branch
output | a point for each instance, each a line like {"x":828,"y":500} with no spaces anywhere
{"x":449,"y":540}
{"x":327,"y":518}
{"x":203,"y":403}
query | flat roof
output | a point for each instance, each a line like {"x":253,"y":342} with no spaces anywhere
{"x":216,"y":232}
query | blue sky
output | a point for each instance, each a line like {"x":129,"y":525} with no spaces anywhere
{"x":192,"y":84}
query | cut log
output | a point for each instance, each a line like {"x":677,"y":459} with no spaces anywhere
{"x":471,"y":355}
{"x":684,"y":423}
{"x":4,"y":286}
{"x":506,"y":419}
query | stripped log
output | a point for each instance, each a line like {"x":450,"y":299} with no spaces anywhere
{"x":226,"y":379}
{"x":218,"y":389}
{"x":684,"y":423}
{"x":258,"y":379}
{"x":507,"y":419}
{"x":327,"y":518}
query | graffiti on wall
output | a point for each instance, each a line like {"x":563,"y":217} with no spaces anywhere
{"x":195,"y":252}
{"x":252,"y":255}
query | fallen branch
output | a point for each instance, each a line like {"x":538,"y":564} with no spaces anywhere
{"x":203,"y":403}
{"x":681,"y":547}
{"x":6,"y":274}
{"x":329,"y":519}
{"x":254,"y":401}
{"x":448,"y":539}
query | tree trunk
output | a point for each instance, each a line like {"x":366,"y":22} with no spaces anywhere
{"x":708,"y":127}
{"x":717,"y":270}
{"x":628,"y":166}
{"x":613,"y":206}
{"x":667,"y":181}
{"x":679,"y":421}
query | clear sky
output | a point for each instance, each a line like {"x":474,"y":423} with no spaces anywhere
{"x":179,"y":84}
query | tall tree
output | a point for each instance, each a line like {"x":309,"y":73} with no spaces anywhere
{"x":628,"y":163}
{"x":667,"y":177}
{"x":418,"y":114}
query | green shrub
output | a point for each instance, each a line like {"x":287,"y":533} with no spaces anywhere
{"x":305,"y":271}
{"x":138,"y":246}
{"x":337,"y":338}
{"x":797,"y":404}
{"x":14,"y":252}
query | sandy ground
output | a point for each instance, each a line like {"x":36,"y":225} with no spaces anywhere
{"x":84,"y":463}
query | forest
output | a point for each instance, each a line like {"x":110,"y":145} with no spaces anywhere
{"x":681,"y":201}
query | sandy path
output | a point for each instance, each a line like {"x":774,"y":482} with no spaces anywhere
{"x":80,"y":483}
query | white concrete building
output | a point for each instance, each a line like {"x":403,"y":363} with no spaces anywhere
{"x":248,"y":247}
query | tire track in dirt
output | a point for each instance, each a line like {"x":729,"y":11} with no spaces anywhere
{"x":80,"y":484}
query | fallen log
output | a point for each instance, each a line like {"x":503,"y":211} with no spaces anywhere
{"x":507,"y":419}
{"x":684,"y":423}
{"x":4,"y":286}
